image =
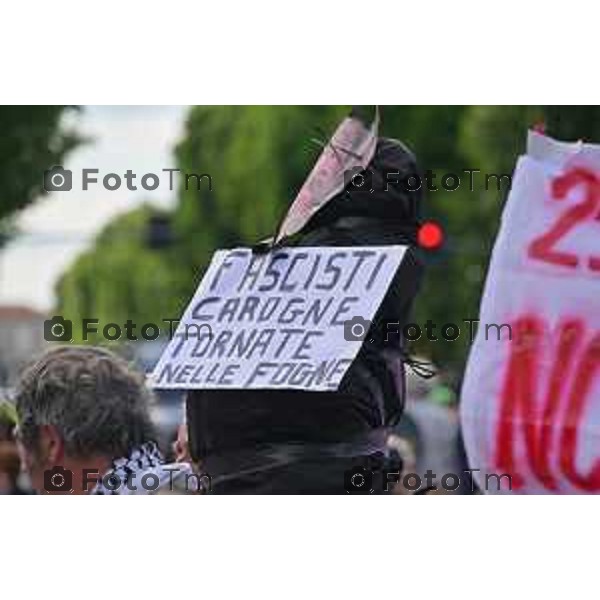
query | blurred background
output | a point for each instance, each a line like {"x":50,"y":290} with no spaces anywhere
{"x":139,"y":255}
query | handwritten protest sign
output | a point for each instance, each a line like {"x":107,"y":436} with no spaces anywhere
{"x":531,"y":402}
{"x":292,"y":319}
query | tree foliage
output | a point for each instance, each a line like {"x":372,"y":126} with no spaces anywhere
{"x":121,"y":278}
{"x":33,"y":139}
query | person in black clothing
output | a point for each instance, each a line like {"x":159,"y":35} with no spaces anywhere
{"x":294,"y":441}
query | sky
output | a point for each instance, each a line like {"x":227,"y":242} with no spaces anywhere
{"x":59,"y":225}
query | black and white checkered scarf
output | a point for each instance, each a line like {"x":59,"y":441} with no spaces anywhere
{"x":144,"y":459}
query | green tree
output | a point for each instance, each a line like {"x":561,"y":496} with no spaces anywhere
{"x":33,"y":140}
{"x":121,"y":278}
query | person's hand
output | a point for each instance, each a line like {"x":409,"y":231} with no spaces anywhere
{"x":181,"y":448}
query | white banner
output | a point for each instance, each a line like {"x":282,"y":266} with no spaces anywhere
{"x":531,"y":402}
{"x":294,"y":318}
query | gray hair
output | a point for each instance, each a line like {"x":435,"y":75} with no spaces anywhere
{"x":99,"y":406}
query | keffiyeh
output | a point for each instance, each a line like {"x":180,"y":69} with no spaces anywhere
{"x":143,"y":471}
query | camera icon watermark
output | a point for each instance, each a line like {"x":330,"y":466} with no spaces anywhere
{"x":356,"y":329}
{"x":58,"y":179}
{"x":58,"y":480}
{"x":358,"y":480}
{"x":58,"y":329}
{"x":361,"y":480}
{"x":358,"y":179}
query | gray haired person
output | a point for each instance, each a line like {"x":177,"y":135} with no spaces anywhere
{"x":84,"y":427}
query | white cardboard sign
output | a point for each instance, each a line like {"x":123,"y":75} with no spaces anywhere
{"x":289,"y":319}
{"x":531,"y":401}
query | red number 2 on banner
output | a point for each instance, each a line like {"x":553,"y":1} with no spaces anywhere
{"x":543,"y":247}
